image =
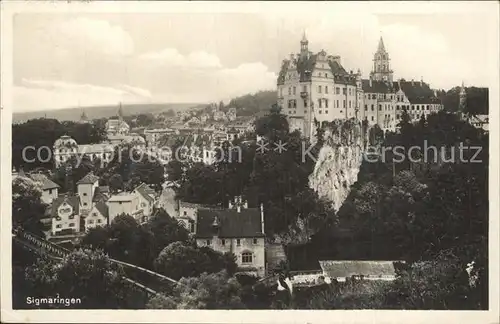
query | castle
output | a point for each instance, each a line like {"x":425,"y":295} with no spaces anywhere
{"x":316,"y":88}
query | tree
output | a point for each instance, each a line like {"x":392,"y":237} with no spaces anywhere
{"x":166,"y":230}
{"x":144,"y":120}
{"x":116,"y":183}
{"x":208,"y":291}
{"x":90,"y":274}
{"x":179,"y":260}
{"x":27,"y":207}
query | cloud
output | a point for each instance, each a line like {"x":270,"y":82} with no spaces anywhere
{"x":35,"y":95}
{"x":170,"y":57}
{"x":94,"y":35}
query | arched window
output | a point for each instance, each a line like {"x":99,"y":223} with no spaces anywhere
{"x":246,"y":257}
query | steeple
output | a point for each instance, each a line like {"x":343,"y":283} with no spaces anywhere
{"x":381,"y":47}
{"x":120,"y":112}
{"x":83,"y":117}
{"x":462,"y":105}
{"x":381,"y":64}
{"x":304,"y":51}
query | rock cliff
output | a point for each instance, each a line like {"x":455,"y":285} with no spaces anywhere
{"x":339,"y":160}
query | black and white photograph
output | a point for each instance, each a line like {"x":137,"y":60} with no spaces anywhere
{"x":254,"y":156}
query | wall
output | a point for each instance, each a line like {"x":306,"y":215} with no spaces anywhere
{"x":124,"y":207}
{"x":49,"y":195}
{"x":86,"y":193}
{"x":65,"y":220}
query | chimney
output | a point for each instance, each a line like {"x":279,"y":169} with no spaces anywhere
{"x":245,"y":205}
{"x":421,"y":81}
{"x":371,"y":81}
{"x":238,"y":208}
{"x":412,"y":82}
{"x":262,"y":217}
{"x":216,"y":226}
{"x":399,"y":84}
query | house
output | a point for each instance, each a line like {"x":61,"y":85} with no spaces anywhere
{"x":49,"y":188}
{"x":124,"y":203}
{"x":341,"y":270}
{"x":66,"y":147}
{"x":239,"y":230}
{"x":86,"y":188}
{"x":479,"y":121}
{"x":147,"y":198}
{"x":97,"y":216}
{"x":65,"y":214}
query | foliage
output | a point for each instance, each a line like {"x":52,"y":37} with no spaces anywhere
{"x":116,"y":183}
{"x":27,"y":207}
{"x":250,"y":104}
{"x":84,"y":274}
{"x":44,"y":132}
{"x":166,"y":230}
{"x":477,"y":100}
{"x":208,"y":291}
{"x":179,"y":260}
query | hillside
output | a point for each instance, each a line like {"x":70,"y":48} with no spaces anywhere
{"x":251,"y":104}
{"x":96,"y":112}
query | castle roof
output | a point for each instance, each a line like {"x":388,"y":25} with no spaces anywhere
{"x":417,"y":92}
{"x":232,"y":224}
{"x":381,"y":47}
{"x":145,"y":191}
{"x":306,"y":64}
{"x":376,"y":86}
{"x":102,"y":208}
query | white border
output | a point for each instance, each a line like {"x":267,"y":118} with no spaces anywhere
{"x":10,"y":8}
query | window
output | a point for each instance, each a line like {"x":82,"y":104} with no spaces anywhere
{"x":427,"y":107}
{"x":372,"y":118}
{"x":344,"y":91}
{"x":71,"y":224}
{"x":99,"y":221}
{"x":289,"y":91}
{"x":326,"y":76}
{"x":337,"y":90}
{"x":91,"y":221}
{"x":379,"y":107}
{"x":294,"y":90}
{"x":319,"y":103}
{"x":223,"y":242}
{"x":191,"y":227}
{"x":84,"y":193}
{"x":326,"y":111}
{"x":366,"y":107}
{"x":349,"y":103}
{"x":319,"y":74}
{"x":246,"y":257}
{"x":344,"y":103}
{"x":373,"y":108}
{"x":71,"y":216}
{"x":305,"y":103}
{"x":319,"y":112}
{"x":238,"y":242}
{"x":119,"y":202}
{"x":349,"y":91}
{"x":374,"y":96}
{"x":319,"y":89}
{"x":304,"y":88}
{"x":85,"y":204}
{"x":326,"y":103}
{"x":326,"y":89}
{"x":143,"y":204}
{"x":209,"y":242}
{"x":338,"y":104}
{"x":58,"y":226}
{"x":50,"y":191}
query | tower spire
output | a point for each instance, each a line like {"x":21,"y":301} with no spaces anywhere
{"x":381,"y":47}
{"x":304,"y":50}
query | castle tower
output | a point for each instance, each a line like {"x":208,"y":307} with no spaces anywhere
{"x":304,"y":43}
{"x":381,"y":64}
{"x":462,"y":104}
{"x":83,"y":117}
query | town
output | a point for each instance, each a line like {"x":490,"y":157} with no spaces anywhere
{"x":192,"y":214}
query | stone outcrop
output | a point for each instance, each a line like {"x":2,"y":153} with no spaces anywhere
{"x":339,"y":160}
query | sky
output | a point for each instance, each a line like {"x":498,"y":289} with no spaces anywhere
{"x":63,"y":60}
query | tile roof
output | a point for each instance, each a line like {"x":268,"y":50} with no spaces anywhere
{"x":348,"y":268}
{"x":245,"y":223}
{"x":90,"y":178}
{"x":121,"y":197}
{"x":100,"y":194}
{"x":376,"y":86}
{"x":72,"y":200}
{"x":44,"y":180}
{"x":145,"y":191}
{"x":102,"y":208}
{"x":417,"y":92}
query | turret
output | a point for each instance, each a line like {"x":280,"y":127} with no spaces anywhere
{"x":304,"y":43}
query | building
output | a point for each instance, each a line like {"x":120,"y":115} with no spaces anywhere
{"x":83,"y":118}
{"x":66,"y":147}
{"x":115,"y":126}
{"x":86,"y":188}
{"x":97,"y":216}
{"x":154,"y":134}
{"x":231,"y":114}
{"x":50,"y":189}
{"x":147,"y":199}
{"x":125,"y":203}
{"x":480,"y":121}
{"x":65,"y":212}
{"x":342,"y":270}
{"x":237,"y":229}
{"x":317,"y":88}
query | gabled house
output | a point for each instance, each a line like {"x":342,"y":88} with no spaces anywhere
{"x":125,"y":203}
{"x":66,"y":214}
{"x":147,"y":198}
{"x":49,"y":188}
{"x":97,"y":216}
{"x":239,"y":230}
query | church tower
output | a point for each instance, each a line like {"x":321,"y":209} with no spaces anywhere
{"x":462,"y":104}
{"x":120,"y":112}
{"x":304,"y":46}
{"x":381,"y":64}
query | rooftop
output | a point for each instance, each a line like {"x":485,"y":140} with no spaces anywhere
{"x":90,"y":178}
{"x":122,"y":197}
{"x":348,"y":268}
{"x":246,"y":223}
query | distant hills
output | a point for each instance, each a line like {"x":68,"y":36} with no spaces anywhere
{"x":97,"y":112}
